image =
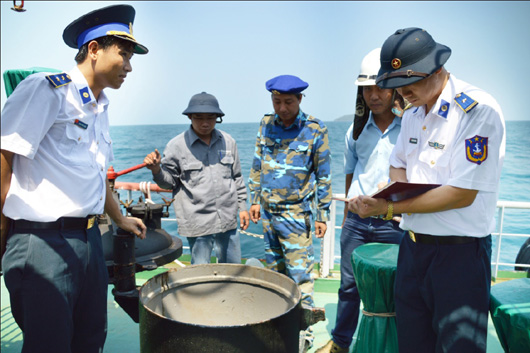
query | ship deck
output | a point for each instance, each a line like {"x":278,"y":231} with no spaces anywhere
{"x":123,"y":332}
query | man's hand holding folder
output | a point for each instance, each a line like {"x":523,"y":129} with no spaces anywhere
{"x":380,"y":202}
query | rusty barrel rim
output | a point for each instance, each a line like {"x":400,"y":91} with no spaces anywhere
{"x":237,"y":273}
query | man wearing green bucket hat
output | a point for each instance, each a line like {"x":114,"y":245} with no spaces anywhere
{"x":455,"y":137}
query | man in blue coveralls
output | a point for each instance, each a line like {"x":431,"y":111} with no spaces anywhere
{"x":291,"y":161}
{"x":55,"y":152}
{"x":369,"y":142}
{"x":454,"y":137}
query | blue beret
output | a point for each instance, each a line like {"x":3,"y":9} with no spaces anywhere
{"x":115,"y":20}
{"x":286,"y":84}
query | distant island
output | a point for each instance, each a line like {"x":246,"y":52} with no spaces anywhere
{"x":348,"y":117}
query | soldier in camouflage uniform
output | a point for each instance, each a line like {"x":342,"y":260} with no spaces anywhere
{"x":291,"y":164}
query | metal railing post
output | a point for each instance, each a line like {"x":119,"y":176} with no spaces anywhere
{"x":327,"y":252}
{"x":499,"y":240}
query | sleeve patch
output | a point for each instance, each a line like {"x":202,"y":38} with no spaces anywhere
{"x":59,"y":80}
{"x":477,"y":149}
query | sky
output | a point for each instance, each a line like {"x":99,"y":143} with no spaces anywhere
{"x":231,"y":48}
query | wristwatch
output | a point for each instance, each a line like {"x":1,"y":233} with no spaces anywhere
{"x":389,"y":210}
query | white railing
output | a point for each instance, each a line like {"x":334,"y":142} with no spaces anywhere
{"x":327,"y":251}
{"x":502,"y":206}
{"x":328,"y":257}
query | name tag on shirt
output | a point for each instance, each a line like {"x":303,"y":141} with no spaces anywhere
{"x":81,"y":124}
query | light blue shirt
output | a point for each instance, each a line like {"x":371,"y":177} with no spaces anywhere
{"x":368,"y":157}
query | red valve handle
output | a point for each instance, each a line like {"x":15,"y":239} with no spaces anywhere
{"x":111,"y":174}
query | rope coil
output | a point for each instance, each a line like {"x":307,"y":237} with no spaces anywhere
{"x":145,"y":188}
{"x":251,"y":234}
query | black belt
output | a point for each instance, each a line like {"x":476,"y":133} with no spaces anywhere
{"x":441,"y":240}
{"x":350,"y":214}
{"x":61,"y":223}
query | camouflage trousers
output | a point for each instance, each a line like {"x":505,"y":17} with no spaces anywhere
{"x":289,"y":248}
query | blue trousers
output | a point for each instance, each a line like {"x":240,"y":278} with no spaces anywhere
{"x":289,"y":248}
{"x":227,"y":247}
{"x":356,"y":232}
{"x":57,"y":282}
{"x":442,"y":296}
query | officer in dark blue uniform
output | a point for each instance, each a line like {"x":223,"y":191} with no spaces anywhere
{"x":55,"y":152}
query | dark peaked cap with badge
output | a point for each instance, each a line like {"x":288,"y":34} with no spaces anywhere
{"x":408,"y":56}
{"x":115,"y":20}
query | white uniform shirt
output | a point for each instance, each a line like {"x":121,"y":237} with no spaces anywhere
{"x":367,"y":158}
{"x":432,"y":149}
{"x":60,"y":137}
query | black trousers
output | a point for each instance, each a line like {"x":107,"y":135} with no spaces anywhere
{"x":442,"y":296}
{"x":58,"y":286}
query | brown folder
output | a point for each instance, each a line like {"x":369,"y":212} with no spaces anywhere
{"x":397,"y":190}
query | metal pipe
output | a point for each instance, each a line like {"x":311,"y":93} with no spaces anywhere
{"x":124,"y":261}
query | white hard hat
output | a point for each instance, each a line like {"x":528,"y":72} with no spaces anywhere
{"x":369,"y":68}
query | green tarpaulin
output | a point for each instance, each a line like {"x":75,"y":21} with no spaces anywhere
{"x":374,"y":267}
{"x":13,"y":77}
{"x":510,"y":312}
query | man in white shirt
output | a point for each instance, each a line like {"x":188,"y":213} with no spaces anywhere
{"x":454,"y":137}
{"x":55,"y":150}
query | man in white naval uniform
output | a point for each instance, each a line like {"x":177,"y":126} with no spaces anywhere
{"x":454,"y":137}
{"x":55,"y":150}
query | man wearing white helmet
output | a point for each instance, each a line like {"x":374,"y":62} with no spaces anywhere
{"x":369,"y":142}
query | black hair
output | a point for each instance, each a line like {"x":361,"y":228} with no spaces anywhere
{"x":297,"y":95}
{"x":104,"y":43}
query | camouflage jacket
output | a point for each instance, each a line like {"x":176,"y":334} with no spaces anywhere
{"x":290,"y":164}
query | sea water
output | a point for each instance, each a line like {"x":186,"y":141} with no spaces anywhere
{"x":132,"y":143}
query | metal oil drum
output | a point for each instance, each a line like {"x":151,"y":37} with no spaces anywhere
{"x":228,"y":308}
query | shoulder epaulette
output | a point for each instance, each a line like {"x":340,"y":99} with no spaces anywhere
{"x":465,"y":102}
{"x":59,"y":80}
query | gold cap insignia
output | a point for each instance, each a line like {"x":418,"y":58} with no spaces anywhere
{"x":122,"y":34}
{"x":396,"y":63}
{"x":275,"y":91}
